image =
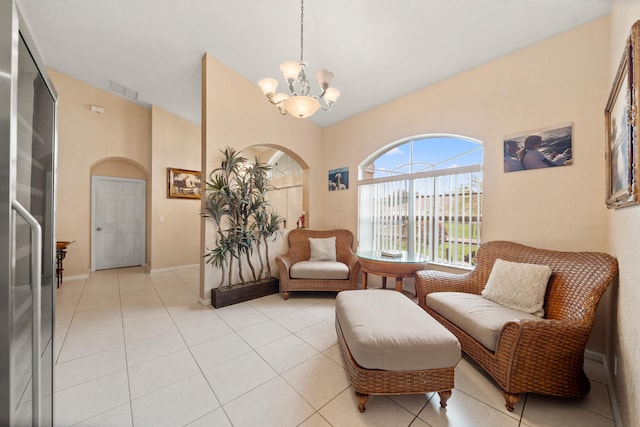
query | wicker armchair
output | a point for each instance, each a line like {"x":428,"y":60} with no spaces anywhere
{"x":299,"y":251}
{"x":543,"y":356}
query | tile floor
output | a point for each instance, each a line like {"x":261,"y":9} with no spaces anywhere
{"x":138,"y":349}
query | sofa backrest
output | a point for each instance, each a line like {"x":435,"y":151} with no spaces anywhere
{"x":577,"y":282}
{"x":299,"y":243}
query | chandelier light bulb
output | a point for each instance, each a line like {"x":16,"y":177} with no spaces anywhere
{"x":290,"y":70}
{"x":331,"y":94}
{"x":268,"y":86}
{"x":325,"y":77}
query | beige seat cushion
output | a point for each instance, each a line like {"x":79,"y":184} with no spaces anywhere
{"x":477,"y":316}
{"x":319,"y":270}
{"x":386,"y":330}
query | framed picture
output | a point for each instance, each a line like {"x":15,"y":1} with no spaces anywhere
{"x":339,"y":179}
{"x":539,"y":149}
{"x":183,"y":184}
{"x":621,"y":125}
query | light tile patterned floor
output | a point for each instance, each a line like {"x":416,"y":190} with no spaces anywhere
{"x":137,"y":349}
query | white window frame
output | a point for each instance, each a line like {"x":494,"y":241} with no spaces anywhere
{"x":443,"y":222}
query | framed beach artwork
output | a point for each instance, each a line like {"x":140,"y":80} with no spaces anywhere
{"x":183,"y":184}
{"x":339,"y":179}
{"x":539,"y":149}
{"x":621,"y":125}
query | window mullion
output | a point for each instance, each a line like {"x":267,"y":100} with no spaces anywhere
{"x":411,"y":217}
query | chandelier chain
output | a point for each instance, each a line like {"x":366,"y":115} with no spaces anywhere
{"x":301,"y":30}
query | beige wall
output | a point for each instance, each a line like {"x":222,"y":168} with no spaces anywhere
{"x":126,"y":141}
{"x":175,"y":223}
{"x":236,"y":114}
{"x":624,"y":244}
{"x":553,"y":82}
{"x":86,"y":139}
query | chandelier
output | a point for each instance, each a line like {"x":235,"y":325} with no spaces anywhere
{"x":298,"y":103}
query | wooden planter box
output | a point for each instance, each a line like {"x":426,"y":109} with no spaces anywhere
{"x":228,"y":295}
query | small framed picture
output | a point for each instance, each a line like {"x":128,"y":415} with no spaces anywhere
{"x":621,"y":125}
{"x":183,"y":184}
{"x":539,"y":149}
{"x":339,"y":179}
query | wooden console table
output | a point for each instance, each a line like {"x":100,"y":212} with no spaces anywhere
{"x":400,"y":267}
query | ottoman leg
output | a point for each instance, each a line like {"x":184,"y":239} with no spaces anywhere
{"x":444,"y":396}
{"x":510,"y":399}
{"x":362,"y":400}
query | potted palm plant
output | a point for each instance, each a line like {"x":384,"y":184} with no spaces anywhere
{"x":236,"y":202}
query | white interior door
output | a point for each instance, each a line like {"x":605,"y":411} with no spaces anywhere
{"x":118,"y":222}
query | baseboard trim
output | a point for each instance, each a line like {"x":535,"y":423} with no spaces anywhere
{"x":594,"y":355}
{"x":615,"y":411}
{"x":178,"y":267}
{"x":204,"y":301}
{"x":617,"y":418}
{"x":78,"y":277}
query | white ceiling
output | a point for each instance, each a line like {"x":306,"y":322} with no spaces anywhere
{"x":378,"y":49}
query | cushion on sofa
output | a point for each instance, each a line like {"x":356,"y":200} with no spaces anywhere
{"x":322,"y":248}
{"x":386,"y":330}
{"x":518,"y":286}
{"x":477,"y":316}
{"x":319,"y":270}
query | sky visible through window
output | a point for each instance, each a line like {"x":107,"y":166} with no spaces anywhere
{"x":430,"y":153}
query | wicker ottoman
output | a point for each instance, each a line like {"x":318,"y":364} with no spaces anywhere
{"x":392,"y":346}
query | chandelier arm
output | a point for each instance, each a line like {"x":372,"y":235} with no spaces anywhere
{"x":270,"y":99}
{"x":305,"y":86}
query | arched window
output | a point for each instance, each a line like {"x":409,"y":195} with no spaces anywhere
{"x":423,"y":195}
{"x":283,"y":165}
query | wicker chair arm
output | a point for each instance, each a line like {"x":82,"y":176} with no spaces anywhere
{"x":544,"y":339}
{"x":352,"y":261}
{"x":284,"y":263}
{"x":428,"y":281}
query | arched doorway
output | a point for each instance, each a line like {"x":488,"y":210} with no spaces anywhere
{"x":118,"y":214}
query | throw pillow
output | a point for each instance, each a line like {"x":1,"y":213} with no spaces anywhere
{"x":518,"y":286}
{"x":322,"y":249}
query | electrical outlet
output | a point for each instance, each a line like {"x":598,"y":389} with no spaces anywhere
{"x":615,"y":364}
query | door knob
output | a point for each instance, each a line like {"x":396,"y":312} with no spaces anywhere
{"x":99,"y":228}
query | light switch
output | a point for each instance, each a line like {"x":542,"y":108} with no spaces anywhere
{"x":161,"y":219}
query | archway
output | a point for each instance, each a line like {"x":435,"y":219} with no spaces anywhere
{"x":290,"y":179}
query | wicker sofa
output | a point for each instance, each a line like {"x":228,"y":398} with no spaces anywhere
{"x":323,"y":278}
{"x":541,"y":355}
